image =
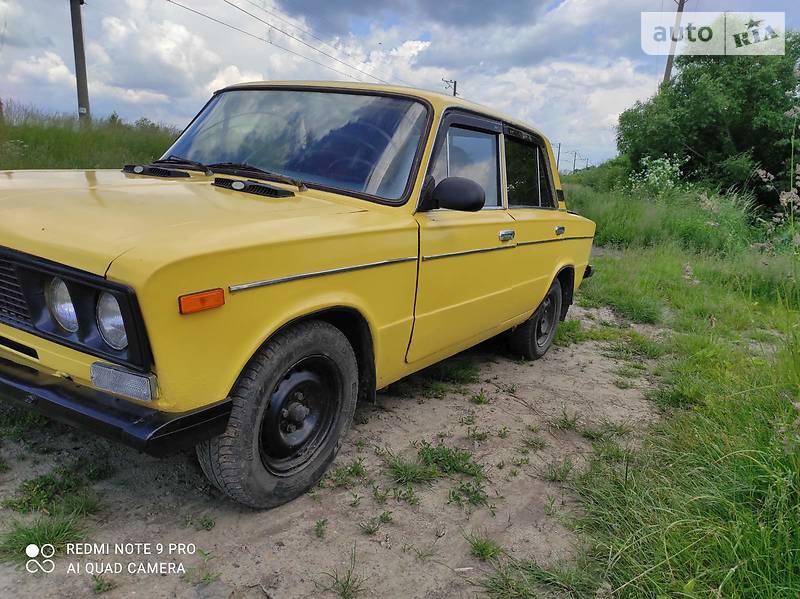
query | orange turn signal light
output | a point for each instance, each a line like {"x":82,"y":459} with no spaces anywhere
{"x":202,"y":300}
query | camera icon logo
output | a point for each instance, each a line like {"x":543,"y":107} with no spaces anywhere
{"x":45,"y":564}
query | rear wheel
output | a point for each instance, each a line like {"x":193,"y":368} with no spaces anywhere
{"x":533,"y":338}
{"x":291,"y":407}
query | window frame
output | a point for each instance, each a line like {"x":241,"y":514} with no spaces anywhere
{"x":537,"y":141}
{"x":473,"y":122}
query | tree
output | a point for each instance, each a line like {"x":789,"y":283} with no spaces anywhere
{"x":727,"y":113}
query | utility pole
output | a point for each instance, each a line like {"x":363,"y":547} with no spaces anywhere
{"x":80,"y":61}
{"x":558,"y":156}
{"x":671,"y":57}
{"x":451,"y":83}
{"x":574,"y":158}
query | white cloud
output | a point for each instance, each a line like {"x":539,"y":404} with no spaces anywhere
{"x":115,"y":29}
{"x":173,"y":44}
{"x":569,"y":71}
{"x":48,"y":67}
{"x":230,"y":75}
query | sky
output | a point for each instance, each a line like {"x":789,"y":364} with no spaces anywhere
{"x":567,"y":67}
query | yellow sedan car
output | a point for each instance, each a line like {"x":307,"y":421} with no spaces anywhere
{"x":299,"y":246}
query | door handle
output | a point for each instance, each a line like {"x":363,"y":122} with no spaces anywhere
{"x":560,"y":230}
{"x":506,"y":235}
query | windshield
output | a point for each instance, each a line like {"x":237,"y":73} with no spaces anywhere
{"x":353,"y":142}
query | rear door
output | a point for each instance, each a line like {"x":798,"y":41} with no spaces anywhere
{"x":466,"y":267}
{"x":540,"y":225}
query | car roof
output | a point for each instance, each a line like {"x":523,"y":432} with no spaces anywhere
{"x":439,"y":100}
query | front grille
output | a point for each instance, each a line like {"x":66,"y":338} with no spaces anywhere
{"x":13,"y":306}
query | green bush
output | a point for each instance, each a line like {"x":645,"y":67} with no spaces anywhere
{"x":725,"y":112}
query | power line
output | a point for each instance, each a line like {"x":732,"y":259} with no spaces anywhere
{"x":261,"y":39}
{"x":310,"y":32}
{"x":297,"y":39}
{"x":305,"y":30}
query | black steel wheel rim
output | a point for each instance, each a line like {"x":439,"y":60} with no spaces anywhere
{"x":546,"y":324}
{"x":300,"y":415}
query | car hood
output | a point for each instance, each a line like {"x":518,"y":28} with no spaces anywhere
{"x":85,"y":219}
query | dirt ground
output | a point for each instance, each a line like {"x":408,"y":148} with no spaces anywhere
{"x":421,"y":552}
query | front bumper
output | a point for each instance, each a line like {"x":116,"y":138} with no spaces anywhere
{"x":154,"y":432}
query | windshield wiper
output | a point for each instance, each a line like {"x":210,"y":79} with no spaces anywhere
{"x":180,"y":160}
{"x":257,"y":172}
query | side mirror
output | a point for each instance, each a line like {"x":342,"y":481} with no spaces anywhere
{"x":458,"y":193}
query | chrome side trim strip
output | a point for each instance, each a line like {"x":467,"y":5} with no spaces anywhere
{"x":318,"y":273}
{"x":467,"y":252}
{"x":553,"y":240}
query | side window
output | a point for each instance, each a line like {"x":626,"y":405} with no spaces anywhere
{"x":548,"y":199}
{"x":521,"y":173}
{"x":528,"y":184}
{"x":470,"y":154}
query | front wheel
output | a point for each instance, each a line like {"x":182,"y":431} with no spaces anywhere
{"x":292,"y":405}
{"x":533,"y":338}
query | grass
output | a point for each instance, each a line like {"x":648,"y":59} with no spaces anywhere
{"x":347,"y":476}
{"x":606,"y":429}
{"x":436,"y":389}
{"x":469,"y":493}
{"x":450,"y":460}
{"x":320,"y":528}
{"x":31,"y":139}
{"x":533,"y":442}
{"x":459,"y":370}
{"x":565,"y":421}
{"x":483,"y":547}
{"x":62,"y":490}
{"x":524,"y":579}
{"x":407,"y":472}
{"x":347,"y":584}
{"x":480,"y":398}
{"x":721,"y":225}
{"x":559,"y":470}
{"x":56,"y":530}
{"x":18,"y":425}
{"x":707,"y":505}
{"x":101,"y":585}
{"x":370,"y":527}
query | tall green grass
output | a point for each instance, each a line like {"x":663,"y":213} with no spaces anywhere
{"x":709,"y":505}
{"x":32,"y":139}
{"x":694,"y":219}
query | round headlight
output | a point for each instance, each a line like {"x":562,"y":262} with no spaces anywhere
{"x":109,"y":321}
{"x":60,"y":304}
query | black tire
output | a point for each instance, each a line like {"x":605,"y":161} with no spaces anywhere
{"x":292,"y":406}
{"x":533,"y":338}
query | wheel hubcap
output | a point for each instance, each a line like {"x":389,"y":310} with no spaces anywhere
{"x":547,"y":321}
{"x":300,"y":414}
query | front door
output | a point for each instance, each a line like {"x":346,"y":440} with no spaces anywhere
{"x":465,"y":272}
